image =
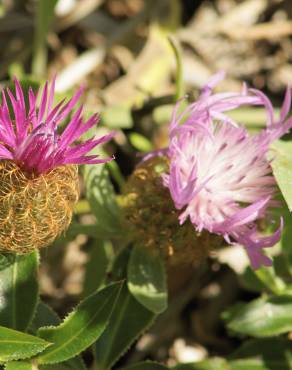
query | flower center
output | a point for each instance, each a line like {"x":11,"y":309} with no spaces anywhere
{"x":40,"y":145}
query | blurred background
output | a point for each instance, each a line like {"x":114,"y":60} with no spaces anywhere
{"x":119,"y":50}
{"x":125,"y":53}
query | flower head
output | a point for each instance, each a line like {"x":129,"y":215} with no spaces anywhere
{"x":38,"y":166}
{"x":151,"y":219}
{"x":219,"y":175}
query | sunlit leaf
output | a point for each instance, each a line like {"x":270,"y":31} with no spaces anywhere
{"x":262,"y":317}
{"x":15,"y":345}
{"x":46,"y":316}
{"x":140,"y":142}
{"x":81,"y":328}
{"x":147,"y":279}
{"x":19,"y":365}
{"x":101,"y":197}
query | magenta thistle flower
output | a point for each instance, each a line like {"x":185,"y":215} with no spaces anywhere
{"x":219,"y":174}
{"x":39,"y":183}
{"x":30,"y":138}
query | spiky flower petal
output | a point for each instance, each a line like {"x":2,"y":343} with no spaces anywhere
{"x":30,"y":137}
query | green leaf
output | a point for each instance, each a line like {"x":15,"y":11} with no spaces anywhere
{"x":282,"y":168}
{"x":251,"y":282}
{"x":99,"y":259}
{"x":55,"y":367}
{"x":81,"y":328}
{"x":101,"y":197}
{"x":100,"y":193}
{"x":19,"y":365}
{"x":254,"y":364}
{"x":15,"y":345}
{"x":19,"y":290}
{"x":215,"y":363}
{"x":75,"y":363}
{"x":116,"y":173}
{"x":269,"y":278}
{"x":58,"y":367}
{"x":286,"y":240}
{"x":46,"y":316}
{"x":129,"y":319}
{"x":263,"y":354}
{"x":262,"y":317}
{"x":148,"y":365}
{"x":147,"y":279}
{"x":140,"y":142}
{"x":263,"y":279}
{"x":120,"y":265}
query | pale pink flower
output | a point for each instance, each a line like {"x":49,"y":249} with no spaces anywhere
{"x":220,"y":176}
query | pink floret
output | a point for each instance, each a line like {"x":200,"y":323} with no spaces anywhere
{"x":30,"y":136}
{"x":220,"y":176}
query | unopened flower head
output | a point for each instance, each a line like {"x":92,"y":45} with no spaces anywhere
{"x":152,"y":220}
{"x":38,"y":166}
{"x":219,"y":175}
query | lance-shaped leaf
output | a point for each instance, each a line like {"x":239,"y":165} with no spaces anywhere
{"x":128,"y":321}
{"x":15,"y":345}
{"x":18,"y":290}
{"x":46,"y":316}
{"x":262,"y":317}
{"x":101,"y":196}
{"x":81,"y":328}
{"x":147,"y":279}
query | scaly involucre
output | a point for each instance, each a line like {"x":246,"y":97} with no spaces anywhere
{"x":219,"y":174}
{"x":29,"y":137}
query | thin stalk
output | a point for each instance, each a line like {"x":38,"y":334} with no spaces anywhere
{"x":180,"y":89}
{"x":43,"y":17}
